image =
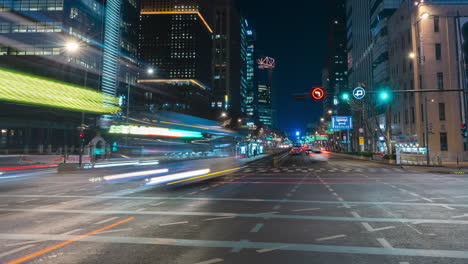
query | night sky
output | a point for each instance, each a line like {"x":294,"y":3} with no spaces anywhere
{"x":295,"y":34}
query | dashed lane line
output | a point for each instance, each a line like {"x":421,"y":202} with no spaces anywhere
{"x":270,"y":249}
{"x":219,"y":218}
{"x":369,"y":228}
{"x":106,"y":220}
{"x":72,"y":231}
{"x":303,"y":210}
{"x":330,"y":238}
{"x":176,"y":223}
{"x":211,"y":261}
{"x":356,"y":215}
{"x":157,"y":204}
{"x":256,"y":228}
{"x":384,"y":243}
{"x":13,"y":251}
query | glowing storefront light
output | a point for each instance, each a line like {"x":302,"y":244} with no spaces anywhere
{"x":27,"y":89}
{"x":153,"y":131}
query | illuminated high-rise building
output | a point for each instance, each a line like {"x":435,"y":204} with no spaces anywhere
{"x":226,"y":65}
{"x":176,"y":44}
{"x":247,"y":91}
{"x":84,"y":43}
{"x":266,"y":65}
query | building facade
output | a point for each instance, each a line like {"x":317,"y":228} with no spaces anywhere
{"x":336,"y":63}
{"x":248,"y":92}
{"x":176,"y":45}
{"x":266,"y":65}
{"x":226,"y":66}
{"x":68,"y":45}
{"x":425,"y":56}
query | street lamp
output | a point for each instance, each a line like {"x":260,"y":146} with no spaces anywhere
{"x":223,"y":114}
{"x":425,"y":15}
{"x":72,"y":46}
{"x":412,"y":55}
{"x":150,"y":71}
{"x":322,"y":119}
{"x":330,"y":112}
{"x":239,"y":120}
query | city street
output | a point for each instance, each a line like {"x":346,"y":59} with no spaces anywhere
{"x":336,"y":211}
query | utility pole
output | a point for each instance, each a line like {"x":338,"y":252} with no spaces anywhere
{"x":428,"y":157}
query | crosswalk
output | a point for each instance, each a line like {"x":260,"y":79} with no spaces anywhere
{"x":261,"y":169}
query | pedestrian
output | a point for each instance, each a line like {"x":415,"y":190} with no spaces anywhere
{"x":255,"y":152}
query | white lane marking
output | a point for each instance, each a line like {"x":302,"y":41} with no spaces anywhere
{"x":29,"y":200}
{"x":106,"y":220}
{"x":116,"y":230}
{"x":448,"y":207}
{"x":356,"y":215}
{"x":204,"y":189}
{"x":45,"y":206}
{"x":156,"y":204}
{"x":331,"y":190}
{"x":267,"y":213}
{"x":219,"y":218}
{"x":141,"y":209}
{"x":335,"y":194}
{"x":3,"y":205}
{"x":330,"y":237}
{"x":369,"y":228}
{"x":440,"y":198}
{"x":384,"y":243}
{"x":404,"y":262}
{"x":23,"y":243}
{"x":419,"y":222}
{"x":270,"y":249}
{"x":176,"y":223}
{"x":413,"y":200}
{"x":414,"y":194}
{"x":211,"y":261}
{"x":462,"y":196}
{"x":4,"y":254}
{"x":340,"y":199}
{"x":73,"y":231}
{"x":192,"y":193}
{"x":302,"y":210}
{"x":460,"y":216}
{"x":427,"y":199}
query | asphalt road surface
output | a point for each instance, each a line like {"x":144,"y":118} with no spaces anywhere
{"x":337,"y":212}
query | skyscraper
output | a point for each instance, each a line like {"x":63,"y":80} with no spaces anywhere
{"x":335,"y":76}
{"x":175,"y":42}
{"x":266,"y":65}
{"x":247,"y":84}
{"x":226,"y":56}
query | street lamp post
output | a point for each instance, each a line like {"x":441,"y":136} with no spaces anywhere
{"x":428,"y":157}
{"x":72,"y":47}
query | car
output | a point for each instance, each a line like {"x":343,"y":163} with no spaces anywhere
{"x":318,"y":155}
{"x":296,"y":149}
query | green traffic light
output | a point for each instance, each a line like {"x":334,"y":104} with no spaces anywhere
{"x":384,"y":96}
{"x":345,"y":97}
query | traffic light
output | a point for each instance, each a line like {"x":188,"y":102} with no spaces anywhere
{"x":345,"y":97}
{"x":384,"y":96}
{"x":82,"y":135}
{"x":464,"y":131}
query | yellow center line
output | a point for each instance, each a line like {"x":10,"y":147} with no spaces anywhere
{"x":57,"y":246}
{"x":207,"y":175}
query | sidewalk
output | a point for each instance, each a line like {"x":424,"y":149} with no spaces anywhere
{"x":445,"y":168}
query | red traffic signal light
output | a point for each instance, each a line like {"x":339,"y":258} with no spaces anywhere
{"x":82,"y":135}
{"x":318,"y":93}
